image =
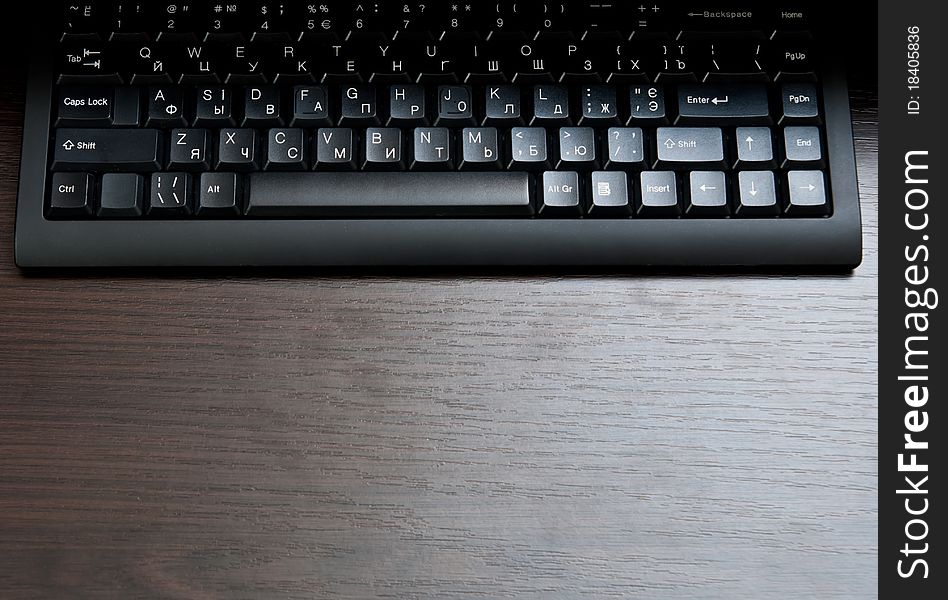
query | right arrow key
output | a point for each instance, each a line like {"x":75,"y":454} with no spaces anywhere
{"x":807,"y":193}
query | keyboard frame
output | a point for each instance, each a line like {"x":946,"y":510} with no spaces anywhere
{"x":833,"y":242}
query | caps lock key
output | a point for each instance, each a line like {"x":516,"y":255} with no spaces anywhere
{"x":85,"y":106}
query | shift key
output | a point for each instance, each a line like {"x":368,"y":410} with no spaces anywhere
{"x":107,"y":149}
{"x":689,"y":148}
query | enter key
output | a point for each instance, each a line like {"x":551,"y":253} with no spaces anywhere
{"x":703,"y":102}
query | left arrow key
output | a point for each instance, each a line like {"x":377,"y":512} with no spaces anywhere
{"x":107,"y":149}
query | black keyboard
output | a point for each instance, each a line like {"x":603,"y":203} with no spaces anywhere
{"x":535,"y":132}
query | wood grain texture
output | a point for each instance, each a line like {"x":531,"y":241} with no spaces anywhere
{"x":313,"y":435}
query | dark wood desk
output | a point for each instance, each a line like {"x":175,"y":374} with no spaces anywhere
{"x":294,"y":435}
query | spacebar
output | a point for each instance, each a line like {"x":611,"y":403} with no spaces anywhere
{"x":378,"y":194}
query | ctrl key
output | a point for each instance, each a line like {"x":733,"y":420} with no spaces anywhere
{"x":70,"y":196}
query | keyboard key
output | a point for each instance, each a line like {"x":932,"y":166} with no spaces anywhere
{"x":800,"y":102}
{"x":262,"y":107}
{"x":166,"y":107}
{"x":88,"y":61}
{"x":792,"y":57}
{"x":625,"y":148}
{"x":721,"y":102}
{"x":610,"y":194}
{"x":647,"y":102}
{"x":627,"y":64}
{"x":502,"y":105}
{"x":807,"y":193}
{"x":729,"y":58}
{"x":754,"y":147}
{"x":214,"y":107}
{"x":689,"y":147}
{"x":757,"y":194}
{"x":582,"y":61}
{"x":359,"y":106}
{"x":659,"y":194}
{"x":170,"y":194}
{"x":107,"y":149}
{"x":675,"y":63}
{"x":190,"y":150}
{"x":219,"y":195}
{"x":599,"y":105}
{"x":82,"y":17}
{"x":707,"y":194}
{"x":144,"y":60}
{"x":407,"y":106}
{"x":528,"y":149}
{"x":310,"y":106}
{"x":127,"y":107}
{"x":802,"y":146}
{"x":383,"y":149}
{"x":121,"y":196}
{"x":480,"y":148}
{"x":433,"y":149}
{"x":246,"y":65}
{"x":336,"y":149}
{"x":578,"y":148}
{"x":286,"y":150}
{"x":70,"y":196}
{"x":560,"y":194}
{"x":550,"y":104}
{"x":455,"y":108}
{"x":85,"y":106}
{"x":237,"y":149}
{"x":361,"y":194}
